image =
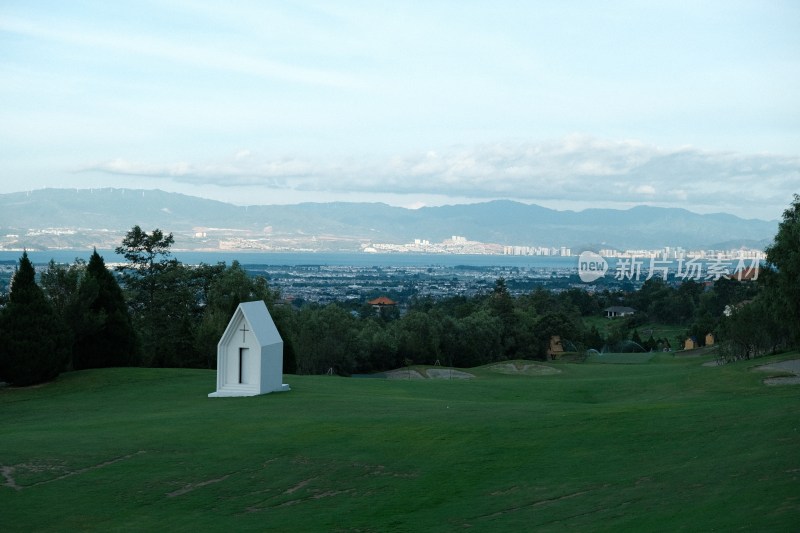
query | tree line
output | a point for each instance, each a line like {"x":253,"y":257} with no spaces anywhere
{"x":155,"y":311}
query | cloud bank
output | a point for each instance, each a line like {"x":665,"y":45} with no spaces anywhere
{"x":576,"y":168}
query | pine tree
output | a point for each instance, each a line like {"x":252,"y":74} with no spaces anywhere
{"x":593,"y":339}
{"x":33,"y":340}
{"x":104,"y":334}
{"x":636,"y":338}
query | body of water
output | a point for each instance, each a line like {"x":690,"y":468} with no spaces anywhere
{"x":706,"y":270}
{"x":319,"y":258}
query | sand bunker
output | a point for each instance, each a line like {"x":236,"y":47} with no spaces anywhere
{"x":792,"y":366}
{"x":434,"y":373}
{"x":403,"y":373}
{"x":448,"y":373}
{"x":527,"y":369}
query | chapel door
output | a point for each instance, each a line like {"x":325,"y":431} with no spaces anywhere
{"x":244,"y":362}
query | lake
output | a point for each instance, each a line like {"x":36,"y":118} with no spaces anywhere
{"x":318,"y":258}
{"x":705,"y":270}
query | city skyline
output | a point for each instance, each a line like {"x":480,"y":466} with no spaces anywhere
{"x":566,"y":106}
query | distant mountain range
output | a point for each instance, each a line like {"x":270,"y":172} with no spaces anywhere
{"x":70,"y":218}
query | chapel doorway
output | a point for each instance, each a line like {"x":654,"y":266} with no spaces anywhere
{"x":243,"y":361}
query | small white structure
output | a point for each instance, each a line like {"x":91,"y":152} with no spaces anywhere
{"x":617,"y":310}
{"x":250,"y":354}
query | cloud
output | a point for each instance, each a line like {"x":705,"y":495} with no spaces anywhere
{"x":645,"y":190}
{"x":576,"y":168}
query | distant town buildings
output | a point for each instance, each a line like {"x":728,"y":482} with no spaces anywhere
{"x":667,"y":253}
{"x":454,"y":245}
{"x":263,"y":239}
{"x":670,"y":253}
{"x":461,"y":245}
{"x":537,"y":250}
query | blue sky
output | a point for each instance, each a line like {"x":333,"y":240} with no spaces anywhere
{"x":564,"y":104}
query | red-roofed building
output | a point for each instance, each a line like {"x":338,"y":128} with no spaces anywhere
{"x":381,"y":301}
{"x":383,"y":306}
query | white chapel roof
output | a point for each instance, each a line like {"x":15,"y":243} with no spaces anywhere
{"x":260,"y":322}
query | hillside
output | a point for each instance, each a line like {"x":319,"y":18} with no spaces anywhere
{"x":665,"y":445}
{"x":100,"y":217}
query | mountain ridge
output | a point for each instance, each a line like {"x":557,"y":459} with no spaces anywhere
{"x":349,"y":226}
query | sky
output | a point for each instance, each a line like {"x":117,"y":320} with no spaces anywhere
{"x":569,"y":105}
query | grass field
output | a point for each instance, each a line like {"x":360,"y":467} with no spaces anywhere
{"x":663,"y":445}
{"x":622,"y":358}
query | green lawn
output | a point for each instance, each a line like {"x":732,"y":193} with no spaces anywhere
{"x":623,"y":358}
{"x":663,"y":445}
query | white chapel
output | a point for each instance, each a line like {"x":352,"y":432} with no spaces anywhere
{"x":250,"y":354}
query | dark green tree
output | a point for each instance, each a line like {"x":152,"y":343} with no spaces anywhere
{"x":377,"y":346}
{"x":60,"y":284}
{"x":168,"y":325}
{"x":650,"y":296}
{"x":784,"y":256}
{"x":284,"y":316}
{"x":593,"y":339}
{"x":500,"y":301}
{"x":148,"y":256}
{"x":581,"y":300}
{"x":226,"y":289}
{"x":540,"y":301}
{"x":104,"y":334}
{"x":477,"y":340}
{"x":526,"y":337}
{"x":501,"y":306}
{"x":745,"y":333}
{"x":326,"y":338}
{"x":554,"y":324}
{"x":33,"y":340}
{"x":703,"y":324}
{"x":162,"y":296}
{"x":636,"y":338}
{"x":142,"y":249}
{"x":650,"y":344}
{"x":420,"y":336}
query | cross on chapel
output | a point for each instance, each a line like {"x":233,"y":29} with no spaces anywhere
{"x":244,"y":330}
